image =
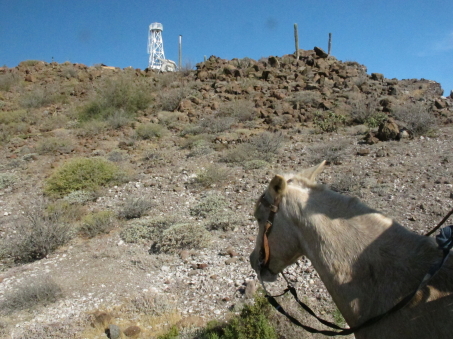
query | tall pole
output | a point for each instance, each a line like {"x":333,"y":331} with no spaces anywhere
{"x":180,"y":51}
{"x":296,"y":41}
{"x":330,"y":43}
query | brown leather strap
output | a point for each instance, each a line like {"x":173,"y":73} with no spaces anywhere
{"x":265,"y":251}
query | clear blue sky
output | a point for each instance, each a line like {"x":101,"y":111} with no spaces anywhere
{"x":401,"y":39}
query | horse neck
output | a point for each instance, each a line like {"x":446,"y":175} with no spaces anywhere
{"x":363,"y":258}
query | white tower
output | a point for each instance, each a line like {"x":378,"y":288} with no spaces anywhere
{"x":155,"y":46}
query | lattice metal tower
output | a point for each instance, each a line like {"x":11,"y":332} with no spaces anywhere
{"x":155,"y":46}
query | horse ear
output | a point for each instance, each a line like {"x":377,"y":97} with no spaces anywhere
{"x":277,"y":187}
{"x":312,"y":172}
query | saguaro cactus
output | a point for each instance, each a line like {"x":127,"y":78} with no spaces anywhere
{"x":296,"y":41}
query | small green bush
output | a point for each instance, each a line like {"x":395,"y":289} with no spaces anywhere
{"x":328,"y":121}
{"x":79,"y":197}
{"x":83,"y":174}
{"x":7,"y":179}
{"x":125,"y":93}
{"x":225,"y":220}
{"x":150,"y":130}
{"x":364,"y":111}
{"x":97,"y":223}
{"x":145,"y":229}
{"x":8,"y":80}
{"x":183,"y":236}
{"x":34,"y":291}
{"x":40,"y":97}
{"x":252,"y":323}
{"x":134,"y":207}
{"x":210,"y":204}
{"x":54,"y":145}
{"x":213,"y":175}
{"x":173,"y":333}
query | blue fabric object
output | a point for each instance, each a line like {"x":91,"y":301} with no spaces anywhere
{"x":445,"y":238}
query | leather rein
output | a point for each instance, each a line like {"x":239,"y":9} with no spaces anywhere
{"x":444,"y":241}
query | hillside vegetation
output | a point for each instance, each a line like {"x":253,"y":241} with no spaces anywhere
{"x":127,"y":195}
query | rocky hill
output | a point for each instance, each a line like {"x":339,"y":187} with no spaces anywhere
{"x":126,"y":195}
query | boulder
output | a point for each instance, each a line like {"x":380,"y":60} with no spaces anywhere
{"x":388,"y":130}
{"x":320,"y":52}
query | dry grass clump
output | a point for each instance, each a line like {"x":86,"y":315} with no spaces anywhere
{"x":263,"y":147}
{"x":212,"y":176}
{"x":32,"y":292}
{"x":7,"y":180}
{"x":134,"y":207}
{"x":182,"y":236}
{"x":333,"y":152}
{"x":149,"y":130}
{"x":41,"y":231}
{"x":145,"y":229}
{"x":43,"y":96}
{"x":417,"y":117}
{"x":365,"y":111}
{"x":8,"y":80}
{"x":54,"y":145}
{"x":241,"y":110}
{"x":97,"y":223}
{"x":170,"y":100}
{"x":305,"y":98}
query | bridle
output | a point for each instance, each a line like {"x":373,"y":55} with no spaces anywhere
{"x":444,"y":241}
{"x":265,"y":250}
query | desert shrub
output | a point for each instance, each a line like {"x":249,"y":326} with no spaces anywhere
{"x":83,"y":174}
{"x":150,"y":130}
{"x":8,"y":80}
{"x":97,"y":223}
{"x":169,"y":100}
{"x":225,"y":220}
{"x":118,"y":119}
{"x":32,"y":292}
{"x":200,"y":147}
{"x":40,"y":232}
{"x":145,"y":229}
{"x":213,"y":175}
{"x":182,"y":236}
{"x":134,"y":207}
{"x":29,"y":63}
{"x":305,"y":98}
{"x":91,"y":128}
{"x":254,"y":164}
{"x":42,"y":96}
{"x":328,"y":121}
{"x":216,"y":123}
{"x":54,"y":145}
{"x":79,"y":197}
{"x":268,"y":144}
{"x":153,"y":304}
{"x":364,"y":111}
{"x":170,"y":119}
{"x":241,"y":110}
{"x":210,"y":204}
{"x":7,"y":179}
{"x":126,"y":93}
{"x":333,"y":152}
{"x":252,"y":322}
{"x":416,"y":116}
{"x":346,"y":184}
{"x":263,"y":147}
{"x":117,"y":156}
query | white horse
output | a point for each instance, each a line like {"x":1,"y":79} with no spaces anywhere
{"x":367,"y":261}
